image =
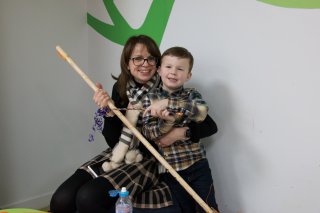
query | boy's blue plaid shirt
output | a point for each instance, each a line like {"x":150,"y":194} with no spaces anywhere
{"x":188,"y":103}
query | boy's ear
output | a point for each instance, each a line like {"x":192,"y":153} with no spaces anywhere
{"x":189,"y":76}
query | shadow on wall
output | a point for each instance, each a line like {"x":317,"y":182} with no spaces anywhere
{"x":233,"y":160}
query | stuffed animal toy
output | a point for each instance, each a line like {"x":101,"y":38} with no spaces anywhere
{"x":125,"y":150}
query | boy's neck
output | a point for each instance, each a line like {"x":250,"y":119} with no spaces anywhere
{"x":170,"y":91}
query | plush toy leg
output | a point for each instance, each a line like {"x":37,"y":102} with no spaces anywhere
{"x":120,"y":150}
{"x":133,"y":156}
{"x":107,"y":166}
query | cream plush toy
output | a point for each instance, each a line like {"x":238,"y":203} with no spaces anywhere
{"x":125,"y":149}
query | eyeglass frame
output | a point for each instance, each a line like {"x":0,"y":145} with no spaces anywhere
{"x":144,"y":59}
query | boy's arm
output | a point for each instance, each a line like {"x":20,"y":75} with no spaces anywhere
{"x":190,"y":108}
{"x":155,"y":127}
{"x":193,"y":108}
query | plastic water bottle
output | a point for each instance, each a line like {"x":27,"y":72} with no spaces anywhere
{"x":123,"y":204}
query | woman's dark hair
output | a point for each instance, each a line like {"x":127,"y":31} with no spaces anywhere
{"x":125,"y":74}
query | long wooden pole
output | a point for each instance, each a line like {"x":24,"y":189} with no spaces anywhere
{"x":173,"y":172}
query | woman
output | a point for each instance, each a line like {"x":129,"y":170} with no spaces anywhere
{"x":83,"y":193}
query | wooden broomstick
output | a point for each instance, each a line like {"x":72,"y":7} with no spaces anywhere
{"x":137,"y":134}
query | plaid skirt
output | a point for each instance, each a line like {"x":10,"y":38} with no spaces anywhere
{"x":141,"y":180}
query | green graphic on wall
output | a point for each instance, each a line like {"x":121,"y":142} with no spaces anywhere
{"x":305,"y":4}
{"x":154,"y":25}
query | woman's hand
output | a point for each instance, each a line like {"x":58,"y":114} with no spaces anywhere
{"x":101,"y":97}
{"x":176,"y":134}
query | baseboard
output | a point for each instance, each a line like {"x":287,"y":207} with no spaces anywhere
{"x":36,"y":202}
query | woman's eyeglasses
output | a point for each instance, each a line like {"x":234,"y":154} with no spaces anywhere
{"x":138,"y":61}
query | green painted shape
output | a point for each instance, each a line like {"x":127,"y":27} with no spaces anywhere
{"x":304,"y":4}
{"x":154,"y":25}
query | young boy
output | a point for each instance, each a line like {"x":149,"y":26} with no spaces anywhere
{"x":170,"y":106}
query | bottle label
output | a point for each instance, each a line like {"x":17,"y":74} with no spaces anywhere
{"x":123,"y":208}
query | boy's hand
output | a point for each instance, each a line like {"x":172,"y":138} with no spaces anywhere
{"x":156,"y":108}
{"x":166,"y":115}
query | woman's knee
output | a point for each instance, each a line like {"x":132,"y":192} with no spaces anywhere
{"x":85,"y":197}
{"x":94,"y":196}
{"x":64,"y":198}
{"x":62,"y":201}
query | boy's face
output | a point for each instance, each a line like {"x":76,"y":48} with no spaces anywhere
{"x":174,"y":72}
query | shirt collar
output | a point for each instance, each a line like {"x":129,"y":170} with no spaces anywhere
{"x":175,"y":93}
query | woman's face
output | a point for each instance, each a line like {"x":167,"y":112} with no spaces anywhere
{"x":141,"y":73}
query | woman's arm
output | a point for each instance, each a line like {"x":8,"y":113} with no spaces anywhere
{"x":176,"y":134}
{"x":112,"y":125}
{"x":202,"y":130}
{"x":197,"y":131}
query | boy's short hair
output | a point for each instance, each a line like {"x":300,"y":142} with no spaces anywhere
{"x":179,"y":52}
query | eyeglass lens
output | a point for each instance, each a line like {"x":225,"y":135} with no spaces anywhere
{"x":140,"y":60}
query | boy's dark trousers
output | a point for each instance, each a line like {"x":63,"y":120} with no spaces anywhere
{"x":199,"y":178}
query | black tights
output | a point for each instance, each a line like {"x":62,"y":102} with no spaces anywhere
{"x":83,"y":194}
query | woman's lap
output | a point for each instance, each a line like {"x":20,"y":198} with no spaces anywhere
{"x":69,"y":195}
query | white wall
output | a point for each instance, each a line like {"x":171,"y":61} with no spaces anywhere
{"x":256,"y":64}
{"x":46,"y":109}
